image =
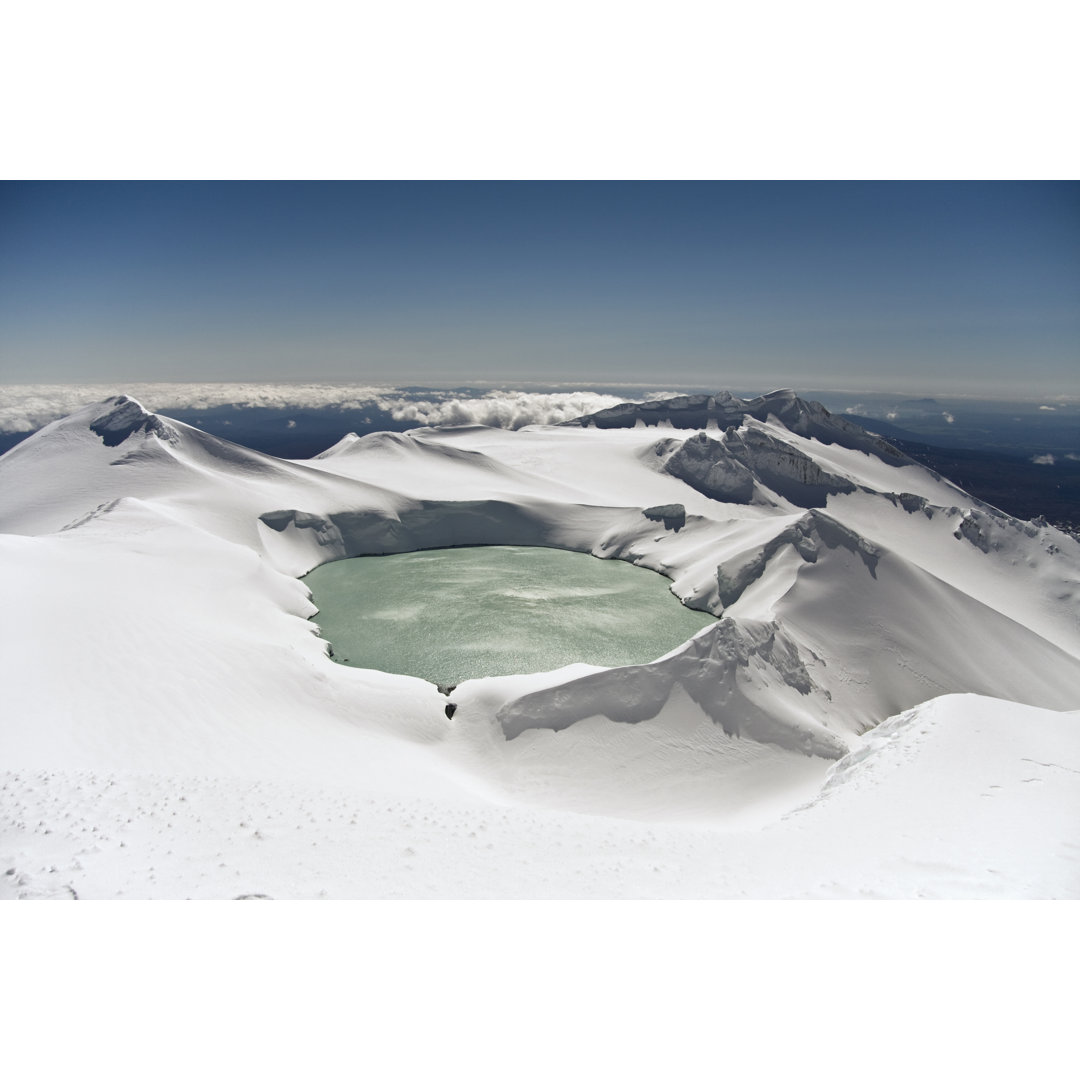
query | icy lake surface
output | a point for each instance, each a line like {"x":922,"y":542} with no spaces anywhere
{"x":466,"y":613}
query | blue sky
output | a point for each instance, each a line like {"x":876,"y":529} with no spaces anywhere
{"x":961,"y":287}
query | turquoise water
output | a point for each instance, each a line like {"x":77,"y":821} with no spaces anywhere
{"x":466,"y":613}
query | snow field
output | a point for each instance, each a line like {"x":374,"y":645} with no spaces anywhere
{"x":174,"y":728}
{"x":950,"y":800}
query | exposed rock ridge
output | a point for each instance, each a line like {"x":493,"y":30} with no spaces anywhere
{"x":723,"y":670}
{"x":723,"y":410}
{"x":809,"y":535}
{"x":737,"y":467}
{"x":125,"y":417}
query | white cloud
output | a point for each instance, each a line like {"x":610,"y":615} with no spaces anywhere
{"x":1048,"y":408}
{"x":499,"y":408}
{"x":949,"y":418}
{"x":291,"y":423}
{"x":27,"y":408}
{"x":1043,"y":459}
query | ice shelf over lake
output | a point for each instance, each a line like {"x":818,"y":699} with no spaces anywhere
{"x":882,"y":703}
{"x":469,"y":613}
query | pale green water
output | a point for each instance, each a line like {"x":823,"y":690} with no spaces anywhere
{"x":465,"y":613}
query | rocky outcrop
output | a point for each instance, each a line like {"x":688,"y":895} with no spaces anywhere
{"x":125,"y":417}
{"x":707,"y":466}
{"x":687,"y":411}
{"x":673,"y":515}
{"x":746,"y":676}
{"x":731,"y":468}
{"x":809,"y":536}
{"x":723,"y":410}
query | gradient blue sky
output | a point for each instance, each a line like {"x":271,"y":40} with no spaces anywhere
{"x":961,"y":287}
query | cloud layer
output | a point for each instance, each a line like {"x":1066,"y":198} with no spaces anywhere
{"x":499,"y":408}
{"x":29,"y":407}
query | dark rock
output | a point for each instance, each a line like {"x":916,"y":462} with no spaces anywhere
{"x":707,"y":466}
{"x":673,"y":515}
{"x":125,"y":419}
{"x":723,"y":410}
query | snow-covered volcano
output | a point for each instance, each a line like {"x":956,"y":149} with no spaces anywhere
{"x":170,"y":706}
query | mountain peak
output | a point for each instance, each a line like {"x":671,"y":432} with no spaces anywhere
{"x":121,"y":416}
{"x":723,"y":409}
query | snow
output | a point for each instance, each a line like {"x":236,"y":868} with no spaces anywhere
{"x":887,"y":706}
{"x":964,"y":797}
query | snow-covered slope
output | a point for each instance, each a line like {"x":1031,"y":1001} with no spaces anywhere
{"x":155,"y":629}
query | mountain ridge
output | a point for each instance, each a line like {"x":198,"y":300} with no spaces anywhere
{"x":850,"y":583}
